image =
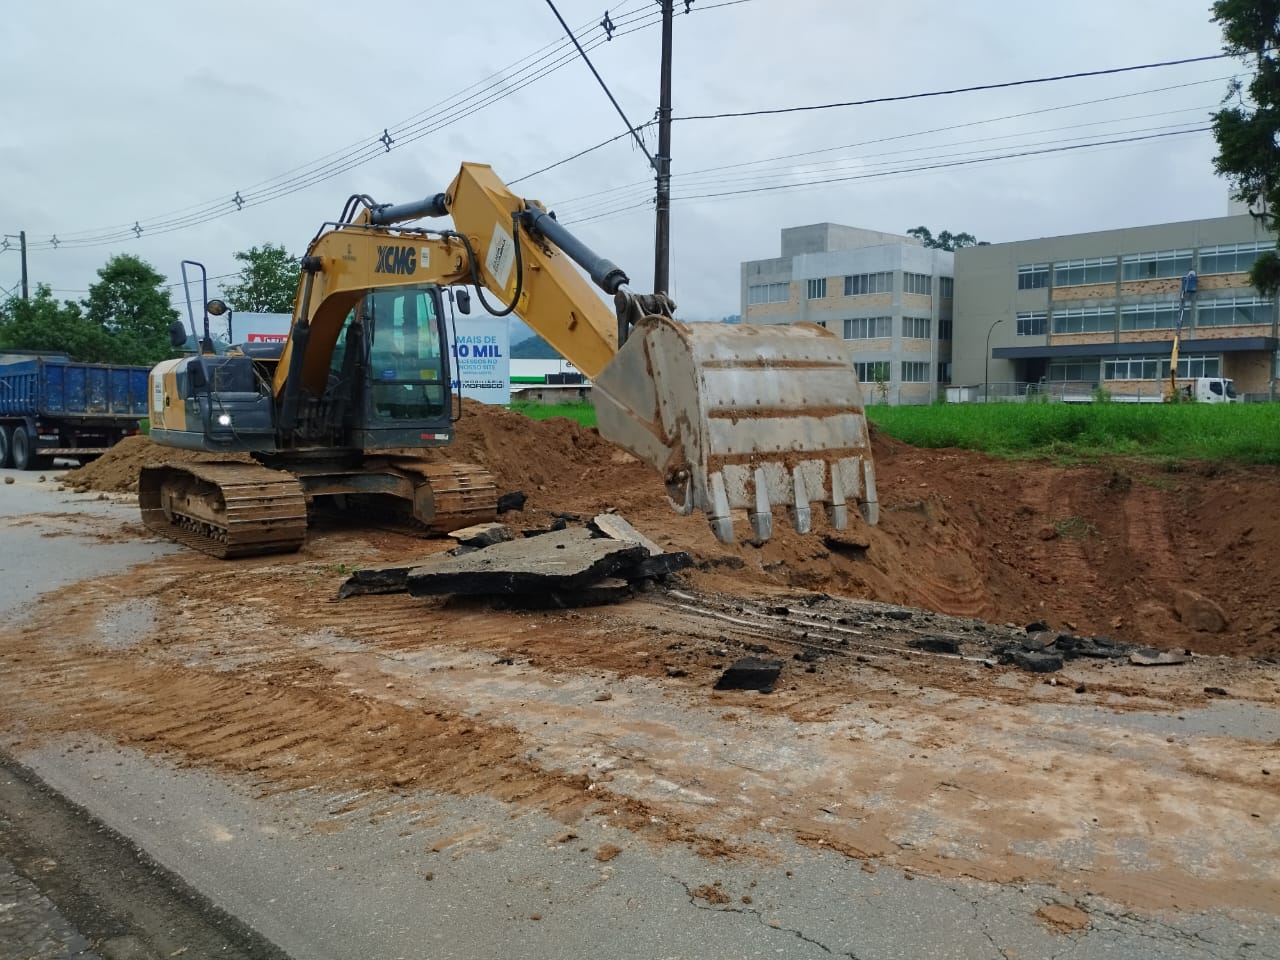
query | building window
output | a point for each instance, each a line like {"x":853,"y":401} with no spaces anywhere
{"x":918,"y":283}
{"x":945,"y":329}
{"x":915,"y":372}
{"x":865,"y":283}
{"x":1033,"y":276}
{"x":1131,"y":368}
{"x":1231,"y":257}
{"x":816,"y":289}
{"x":915,"y":328}
{"x":868,"y":328}
{"x":1193,"y":366}
{"x":1149,"y":316}
{"x":1032,"y":324}
{"x":1069,"y":371}
{"x":1163,"y":263}
{"x":874,"y":372}
{"x":947,"y":288}
{"x":1232,"y":311}
{"x":768,"y":293}
{"x":1085,"y":320}
{"x":1076,"y":273}
{"x":944,"y":372}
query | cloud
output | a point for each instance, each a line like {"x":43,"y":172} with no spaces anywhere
{"x":183,"y":106}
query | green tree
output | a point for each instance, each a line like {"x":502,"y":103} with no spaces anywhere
{"x":131,"y":305}
{"x":1248,"y":125}
{"x":42,"y":323}
{"x":268,"y":280}
{"x":946,"y":240}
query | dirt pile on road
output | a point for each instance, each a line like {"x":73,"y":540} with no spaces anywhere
{"x":116,"y":471}
{"x":553,"y":461}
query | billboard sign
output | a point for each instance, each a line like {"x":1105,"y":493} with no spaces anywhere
{"x":481,"y":359}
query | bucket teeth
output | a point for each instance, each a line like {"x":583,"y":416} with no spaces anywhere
{"x":837,"y":509}
{"x":762,"y":516}
{"x":799,"y":510}
{"x":721,"y":521}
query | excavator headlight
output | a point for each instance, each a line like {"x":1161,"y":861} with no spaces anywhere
{"x":224,"y":419}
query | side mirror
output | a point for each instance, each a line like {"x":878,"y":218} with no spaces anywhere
{"x":196,"y":376}
{"x":463,"y":299}
{"x":215,"y":308}
{"x":177,"y":335}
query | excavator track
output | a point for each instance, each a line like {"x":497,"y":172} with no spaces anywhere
{"x":462,"y":493}
{"x":227,"y":510}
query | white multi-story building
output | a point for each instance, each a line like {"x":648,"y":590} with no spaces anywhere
{"x":888,"y":292}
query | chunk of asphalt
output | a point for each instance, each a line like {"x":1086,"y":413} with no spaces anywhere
{"x":1147,"y":657}
{"x":616,"y":527}
{"x":598,"y":594}
{"x":561,"y":560}
{"x":1038,"y":626}
{"x":483,"y":535}
{"x":657,"y":567}
{"x":1039,"y":641}
{"x":750,"y":673}
{"x":375,"y":580}
{"x":935,"y":644}
{"x":511,"y":501}
{"x":1036,"y":662}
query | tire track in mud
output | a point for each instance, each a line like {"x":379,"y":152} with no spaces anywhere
{"x":293,"y":723}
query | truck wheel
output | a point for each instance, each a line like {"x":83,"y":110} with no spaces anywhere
{"x":6,"y":448}
{"x":24,"y":456}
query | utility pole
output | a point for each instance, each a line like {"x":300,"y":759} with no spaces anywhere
{"x":662,"y":242}
{"x":22,"y":245}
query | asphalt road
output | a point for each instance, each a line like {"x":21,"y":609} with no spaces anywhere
{"x":507,"y":883}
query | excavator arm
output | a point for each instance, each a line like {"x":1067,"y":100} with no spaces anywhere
{"x":734,"y":417}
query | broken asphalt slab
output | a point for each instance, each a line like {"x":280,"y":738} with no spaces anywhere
{"x":561,"y":560}
{"x":750,"y":673}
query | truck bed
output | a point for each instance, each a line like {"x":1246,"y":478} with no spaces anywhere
{"x":57,"y":387}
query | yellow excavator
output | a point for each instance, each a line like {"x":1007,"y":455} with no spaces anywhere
{"x":734,"y":417}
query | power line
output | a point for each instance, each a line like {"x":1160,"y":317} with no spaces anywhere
{"x":946,"y":93}
{"x":957,"y":126}
{"x":603,"y":86}
{"x":611,"y":197}
{"x":954,"y":163}
{"x":340,"y":162}
{"x":902,"y":170}
{"x":581,"y":153}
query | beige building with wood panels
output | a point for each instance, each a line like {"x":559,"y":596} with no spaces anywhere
{"x":887,"y":292}
{"x":1068,"y":315}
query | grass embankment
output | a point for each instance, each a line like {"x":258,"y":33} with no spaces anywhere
{"x":583,"y":412}
{"x":1244,"y":433}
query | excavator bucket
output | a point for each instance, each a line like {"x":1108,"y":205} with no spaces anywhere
{"x":742,"y":418}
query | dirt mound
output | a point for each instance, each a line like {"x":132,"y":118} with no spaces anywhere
{"x":116,"y":471}
{"x":558,"y":455}
{"x":1103,"y":549}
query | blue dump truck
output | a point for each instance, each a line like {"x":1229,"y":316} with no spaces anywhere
{"x":51,"y":406}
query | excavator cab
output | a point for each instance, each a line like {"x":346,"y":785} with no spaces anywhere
{"x":390,"y":370}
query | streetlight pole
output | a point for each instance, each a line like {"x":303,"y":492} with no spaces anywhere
{"x":986,"y":364}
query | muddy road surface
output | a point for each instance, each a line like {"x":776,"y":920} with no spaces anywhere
{"x":396,"y":776}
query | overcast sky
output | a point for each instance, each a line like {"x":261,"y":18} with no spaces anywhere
{"x":129,"y":112}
